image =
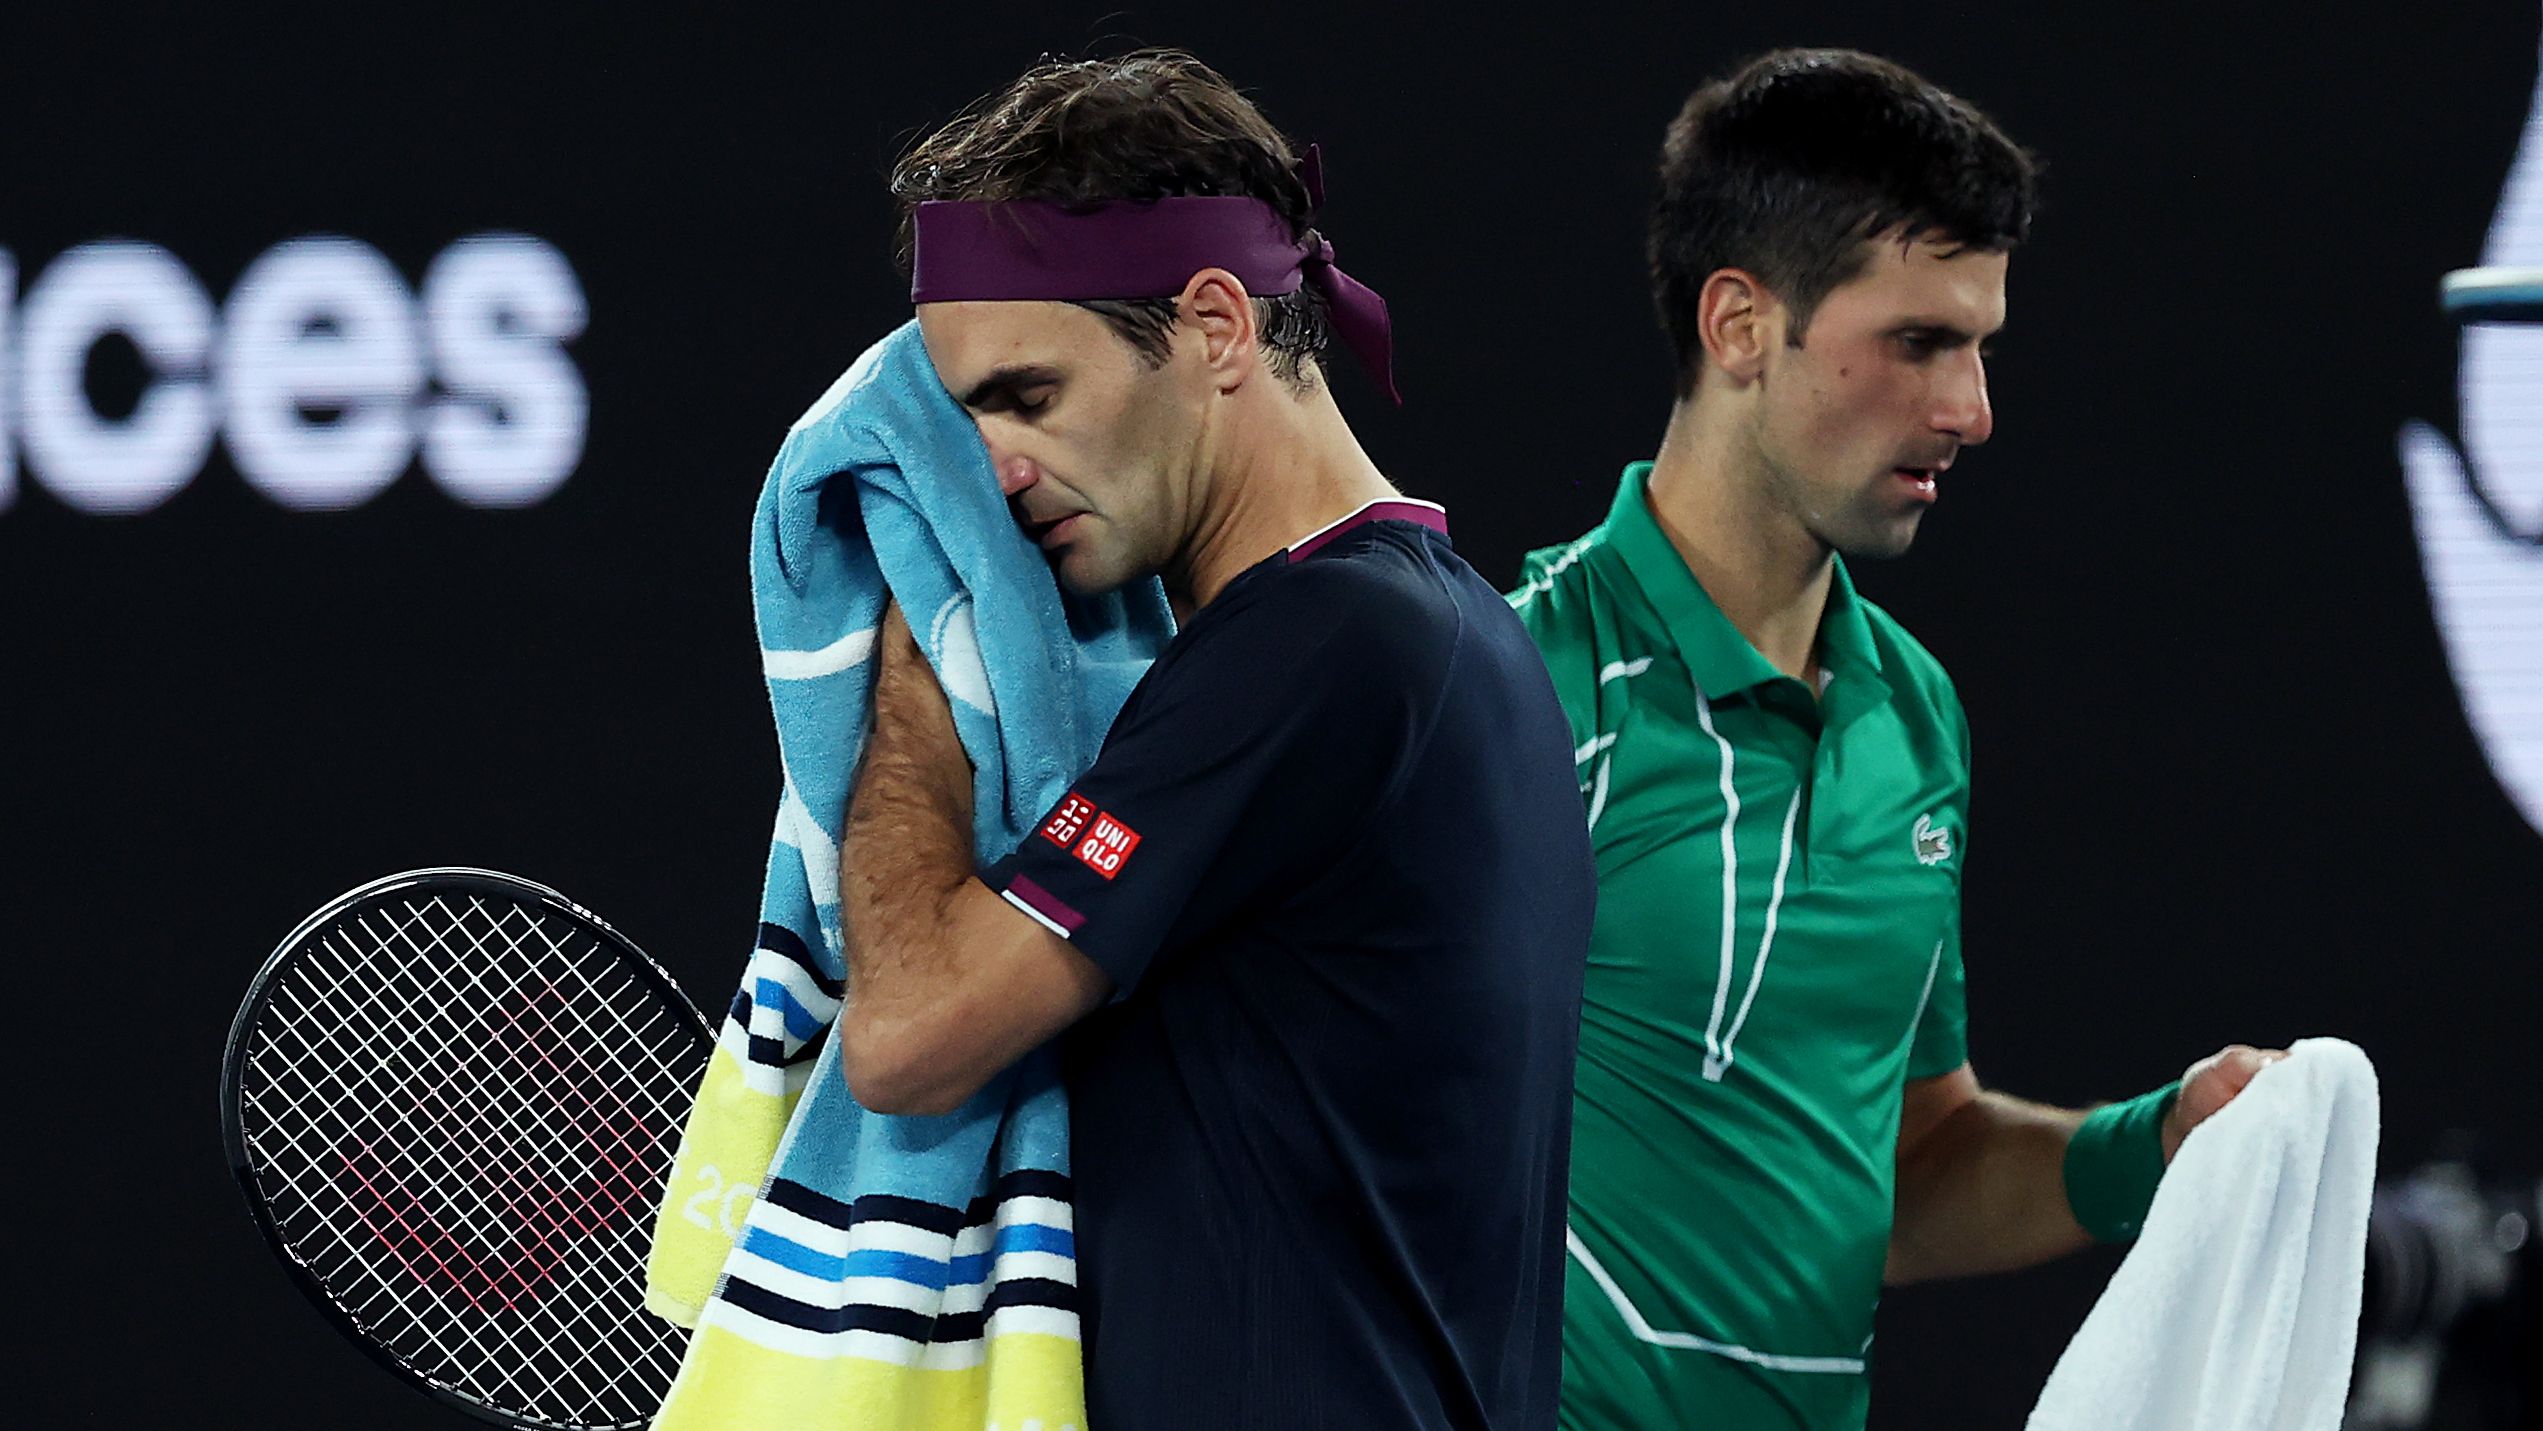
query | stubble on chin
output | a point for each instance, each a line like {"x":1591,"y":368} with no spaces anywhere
{"x":1879,"y":539}
{"x":1092,"y":573}
{"x":1860,"y":527}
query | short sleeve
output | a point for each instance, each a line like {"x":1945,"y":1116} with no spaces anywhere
{"x":1248,"y":760}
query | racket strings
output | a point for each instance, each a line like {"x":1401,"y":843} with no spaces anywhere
{"x":470,"y":1139}
{"x":421,"y":1251}
{"x":529,"y":1144}
{"x":528,"y":1151}
{"x":455,"y":1264}
{"x":459,"y":1110}
{"x":569,"y":1197}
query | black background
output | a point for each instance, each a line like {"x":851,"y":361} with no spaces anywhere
{"x":2225,"y":791}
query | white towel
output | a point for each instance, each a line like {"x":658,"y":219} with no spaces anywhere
{"x":2237,"y":1310}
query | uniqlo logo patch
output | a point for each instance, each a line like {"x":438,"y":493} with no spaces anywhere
{"x":1069,"y":821}
{"x":1099,"y":841}
{"x":1106,"y":845}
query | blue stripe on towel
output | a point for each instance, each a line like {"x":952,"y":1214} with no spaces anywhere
{"x":790,"y":1254}
{"x":1016,"y":1237}
{"x":966,"y":1270}
{"x":908,"y":1267}
{"x":800,"y":1024}
{"x":899,"y":1266}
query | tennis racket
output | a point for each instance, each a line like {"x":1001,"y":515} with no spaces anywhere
{"x":452,"y":1098}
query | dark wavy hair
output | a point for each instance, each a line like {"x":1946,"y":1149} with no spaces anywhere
{"x":1787,"y":165}
{"x":1147,"y":125}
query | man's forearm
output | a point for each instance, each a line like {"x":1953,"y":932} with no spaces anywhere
{"x":904,"y":862}
{"x":1984,"y":1191}
{"x":946,"y":984}
{"x":905,"y":856}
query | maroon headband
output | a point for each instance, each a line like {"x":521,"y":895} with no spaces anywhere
{"x":1031,"y":249}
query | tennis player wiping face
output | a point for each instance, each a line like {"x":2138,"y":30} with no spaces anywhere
{"x":1315,"y":920}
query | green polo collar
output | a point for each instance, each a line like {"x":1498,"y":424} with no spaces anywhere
{"x":1719,"y":658}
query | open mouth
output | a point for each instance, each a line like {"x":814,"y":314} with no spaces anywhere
{"x":1919,"y":478}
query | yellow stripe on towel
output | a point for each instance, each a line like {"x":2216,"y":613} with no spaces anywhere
{"x":732,"y":1135}
{"x":1029,"y":1382}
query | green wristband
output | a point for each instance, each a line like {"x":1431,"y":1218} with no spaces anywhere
{"x":2114,"y":1161}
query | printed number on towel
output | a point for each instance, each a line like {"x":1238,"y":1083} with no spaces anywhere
{"x":712,"y":1189}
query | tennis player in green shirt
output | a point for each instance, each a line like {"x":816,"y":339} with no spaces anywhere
{"x":1775,"y":1114}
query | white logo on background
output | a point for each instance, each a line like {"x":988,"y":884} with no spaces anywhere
{"x":324,"y":374}
{"x":1933,"y":842}
{"x":2479,"y":512}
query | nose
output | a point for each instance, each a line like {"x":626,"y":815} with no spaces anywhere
{"x":1961,"y":407}
{"x":1015,"y":470}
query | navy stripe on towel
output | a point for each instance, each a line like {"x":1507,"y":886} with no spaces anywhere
{"x":1022,"y":1292}
{"x":1023,"y":1182}
{"x":759,"y":1301}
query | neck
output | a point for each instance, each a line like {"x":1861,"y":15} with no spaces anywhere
{"x":1278,"y":470}
{"x":1750,"y":553}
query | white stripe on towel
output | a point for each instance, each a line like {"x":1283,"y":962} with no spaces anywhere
{"x":840,"y":655}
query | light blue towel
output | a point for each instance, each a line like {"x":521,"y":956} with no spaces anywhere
{"x":887,"y":1249}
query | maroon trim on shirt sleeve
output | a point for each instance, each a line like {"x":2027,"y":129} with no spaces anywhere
{"x":1025,"y":891}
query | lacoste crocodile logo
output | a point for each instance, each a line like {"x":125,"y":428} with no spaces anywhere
{"x":1933,"y":842}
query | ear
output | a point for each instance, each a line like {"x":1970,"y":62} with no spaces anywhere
{"x":1219,"y":309}
{"x":1736,"y":319}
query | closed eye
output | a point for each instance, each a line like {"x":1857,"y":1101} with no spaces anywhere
{"x":1015,"y":402}
{"x":1024,"y":390}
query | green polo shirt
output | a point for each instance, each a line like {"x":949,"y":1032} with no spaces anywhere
{"x":1777,"y":951}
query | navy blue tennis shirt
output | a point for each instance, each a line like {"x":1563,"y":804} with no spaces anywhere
{"x":1332,"y":854}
